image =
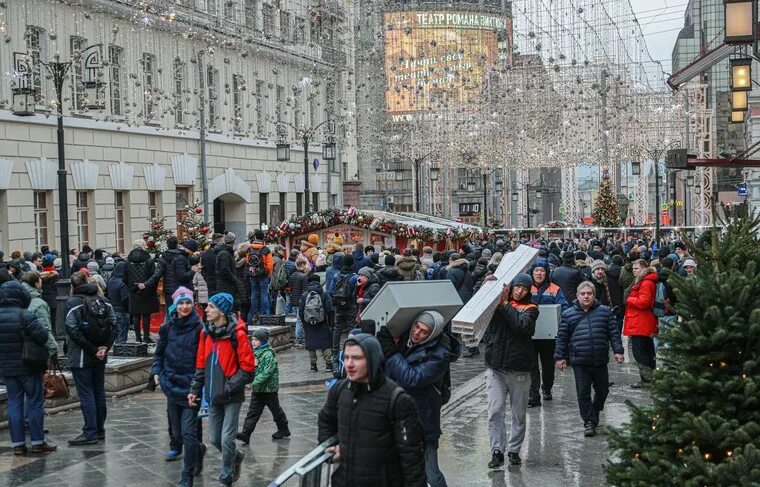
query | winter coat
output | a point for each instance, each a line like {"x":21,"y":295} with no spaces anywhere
{"x":381,"y":444}
{"x":613,"y":283}
{"x":458,"y":273}
{"x":297,"y":285}
{"x":333,"y":269}
{"x":389,"y":274}
{"x":14,"y":301}
{"x":309,"y":251}
{"x":371,"y":288}
{"x":81,"y":262}
{"x":41,"y":311}
{"x":512,"y":329}
{"x":118,"y":292}
{"x":409,"y":268}
{"x":420,"y":371}
{"x":358,"y":259}
{"x":208,"y":263}
{"x":201,"y":288}
{"x":316,"y":337}
{"x":626,"y":279}
{"x":568,"y":279}
{"x":243,"y":294}
{"x":290,"y":267}
{"x":584,"y":337}
{"x":266,"y":256}
{"x":639,"y":318}
{"x":481,"y":269}
{"x":140,"y":268}
{"x":549,"y":293}
{"x":80,"y":352}
{"x":50,"y":278}
{"x":226,"y":280}
{"x":106,"y":270}
{"x":174,"y":267}
{"x":267,"y":376}
{"x":175,"y":355}
{"x":350,"y":308}
{"x":221,"y":371}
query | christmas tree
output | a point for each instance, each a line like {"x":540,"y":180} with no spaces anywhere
{"x":606,"y":212}
{"x":193,"y":225}
{"x":703,"y":427}
{"x":155,"y":237}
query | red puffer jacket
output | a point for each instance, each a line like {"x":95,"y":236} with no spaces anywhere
{"x":639,"y":318}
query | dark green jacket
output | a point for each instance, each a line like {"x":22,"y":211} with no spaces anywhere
{"x":267,"y":375}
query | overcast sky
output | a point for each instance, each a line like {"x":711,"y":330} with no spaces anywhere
{"x":660,"y":21}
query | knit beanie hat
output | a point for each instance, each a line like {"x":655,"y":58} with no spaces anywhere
{"x":93,"y":267}
{"x":190,"y":245}
{"x":229,"y":238}
{"x":568,"y":257}
{"x":390,"y":260}
{"x":261,"y":334}
{"x":366,"y":271}
{"x":182,"y":294}
{"x":109,"y":260}
{"x":338,"y":240}
{"x":598,"y":264}
{"x":313,"y":239}
{"x":348,"y":262}
{"x":48,"y":260}
{"x":139,"y":244}
{"x":522,"y":279}
{"x":222,"y":301}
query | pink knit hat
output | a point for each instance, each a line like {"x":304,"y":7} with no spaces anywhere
{"x":182,"y":294}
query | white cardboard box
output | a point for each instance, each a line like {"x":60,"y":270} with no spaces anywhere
{"x":547,"y":324}
{"x":398,"y":303}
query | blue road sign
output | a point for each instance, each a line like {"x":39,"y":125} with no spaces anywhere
{"x":315,"y":163}
{"x":742,"y":189}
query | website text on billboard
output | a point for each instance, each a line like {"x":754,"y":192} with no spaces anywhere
{"x":438,"y":60}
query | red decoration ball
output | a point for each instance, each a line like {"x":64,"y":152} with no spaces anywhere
{"x":199,"y":210}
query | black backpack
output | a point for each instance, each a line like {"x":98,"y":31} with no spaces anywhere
{"x":256,"y":266}
{"x":96,"y":324}
{"x":342,"y":292}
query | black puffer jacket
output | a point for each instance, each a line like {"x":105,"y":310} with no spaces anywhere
{"x":381,"y":445}
{"x":568,"y":279}
{"x":370,"y":291}
{"x":389,"y":273}
{"x":208,"y":261}
{"x":14,"y":300}
{"x":298,"y":283}
{"x":81,"y":262}
{"x":80,"y":351}
{"x":616,"y":290}
{"x":511,"y":344}
{"x":458,"y":273}
{"x":174,"y":267}
{"x":224,"y":268}
{"x":140,"y":268}
{"x":584,"y":337}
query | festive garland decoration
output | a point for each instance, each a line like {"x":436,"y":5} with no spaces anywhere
{"x":320,"y":220}
{"x":559,"y":224}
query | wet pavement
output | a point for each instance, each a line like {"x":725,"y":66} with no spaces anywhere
{"x":554,"y":453}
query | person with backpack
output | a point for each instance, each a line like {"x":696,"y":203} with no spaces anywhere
{"x":22,"y":378}
{"x":640,"y":322}
{"x":118,"y":295}
{"x":297,"y":286}
{"x":314,"y":310}
{"x":260,"y":266}
{"x":224,"y":365}
{"x":342,"y":295}
{"x":266,"y":383}
{"x":421,"y":363}
{"x":90,"y":333}
{"x":380,"y":440}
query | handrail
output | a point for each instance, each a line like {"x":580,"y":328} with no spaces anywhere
{"x":309,"y":467}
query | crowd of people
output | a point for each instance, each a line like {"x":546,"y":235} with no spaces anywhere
{"x":203,"y":356}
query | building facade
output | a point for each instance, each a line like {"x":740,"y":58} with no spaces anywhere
{"x":141,"y":80}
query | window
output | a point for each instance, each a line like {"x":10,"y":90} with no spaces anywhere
{"x":267,"y":15}
{"x":299,"y":203}
{"x":315,"y":201}
{"x":285,"y":33}
{"x":77,"y":45}
{"x":315,"y":31}
{"x":153,"y":204}
{"x":263,"y":207}
{"x":41,"y":219}
{"x":299,"y":34}
{"x":213,"y":107}
{"x":116,"y":56}
{"x":297,"y":109}
{"x":120,"y":205}
{"x":274,"y":215}
{"x":182,"y":199}
{"x":230,"y":8}
{"x":250,"y":14}
{"x":329,"y":100}
{"x":260,"y":113}
{"x":283,"y":205}
{"x":179,"y":91}
{"x":211,"y":7}
{"x":149,"y":85}
{"x":83,"y":218}
{"x":280,"y":103}
{"x":34,"y":38}
{"x":238,"y":88}
{"x":313,"y":110}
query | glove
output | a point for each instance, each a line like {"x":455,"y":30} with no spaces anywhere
{"x":151,"y":384}
{"x":53,"y":362}
{"x":387,"y":342}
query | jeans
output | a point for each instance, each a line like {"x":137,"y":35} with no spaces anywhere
{"x":90,"y":384}
{"x":25,"y":390}
{"x":222,"y":428}
{"x":643,"y":352}
{"x":299,"y":326}
{"x":498,"y":386}
{"x":122,"y":326}
{"x":183,"y":420}
{"x":288,"y":304}
{"x":545,"y":353}
{"x":258,"y":401}
{"x":587,"y":376}
{"x":260,"y":296}
{"x":434,"y":475}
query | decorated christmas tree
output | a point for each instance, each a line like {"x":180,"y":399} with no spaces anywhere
{"x":193,"y":225}
{"x":156,"y":235}
{"x":606,"y":212}
{"x":703,"y":427}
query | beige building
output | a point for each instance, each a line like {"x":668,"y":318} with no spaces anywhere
{"x":132,"y":104}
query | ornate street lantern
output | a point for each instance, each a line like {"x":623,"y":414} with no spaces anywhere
{"x":740,"y":17}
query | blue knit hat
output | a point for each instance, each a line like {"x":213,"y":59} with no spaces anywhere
{"x":223,"y":302}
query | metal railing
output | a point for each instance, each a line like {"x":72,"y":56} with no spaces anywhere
{"x":310,"y":467}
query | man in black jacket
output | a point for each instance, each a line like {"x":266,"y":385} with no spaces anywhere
{"x":224,"y":268}
{"x":586,"y":331}
{"x":567,"y":277}
{"x":458,"y":272}
{"x":174,"y":266}
{"x":509,"y":360}
{"x":208,"y":263}
{"x":380,"y":441}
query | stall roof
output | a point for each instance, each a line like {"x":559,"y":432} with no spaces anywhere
{"x":423,"y":220}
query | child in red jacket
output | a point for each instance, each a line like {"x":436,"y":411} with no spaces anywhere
{"x":224,"y":365}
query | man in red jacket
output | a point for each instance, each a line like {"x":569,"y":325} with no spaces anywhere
{"x":224,"y":365}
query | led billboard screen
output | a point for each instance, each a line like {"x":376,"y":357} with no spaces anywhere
{"x":436,"y":59}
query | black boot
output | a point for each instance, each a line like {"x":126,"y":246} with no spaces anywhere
{"x":314,"y":367}
{"x":146,"y":334}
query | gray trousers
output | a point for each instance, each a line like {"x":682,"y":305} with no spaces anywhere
{"x":222,"y":428}
{"x":498,"y":386}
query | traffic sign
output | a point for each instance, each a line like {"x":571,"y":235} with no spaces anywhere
{"x":742,"y":189}
{"x":315,"y":163}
